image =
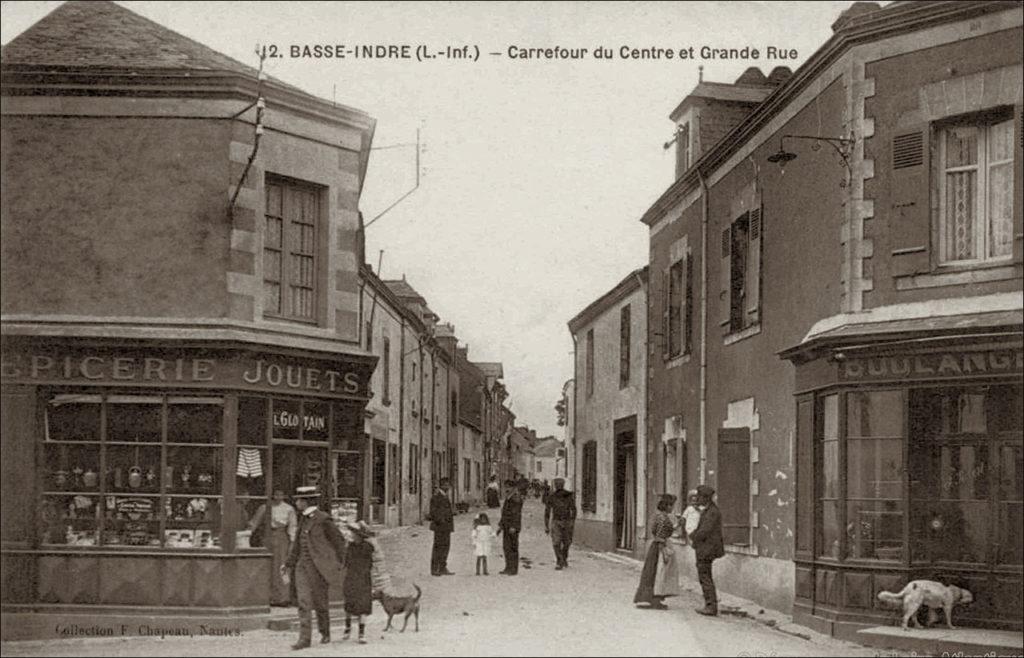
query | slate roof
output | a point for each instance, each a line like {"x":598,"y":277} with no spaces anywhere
{"x":106,"y":35}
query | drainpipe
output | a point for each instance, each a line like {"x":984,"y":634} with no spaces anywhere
{"x":575,"y":397}
{"x":704,"y":209}
{"x":401,"y":419}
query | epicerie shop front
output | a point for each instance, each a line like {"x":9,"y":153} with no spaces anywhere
{"x":130,"y":473}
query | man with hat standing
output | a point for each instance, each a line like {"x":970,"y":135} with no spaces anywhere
{"x":708,"y":546}
{"x":559,"y":521}
{"x":443,"y":524}
{"x":316,"y":559}
{"x":509,"y":525}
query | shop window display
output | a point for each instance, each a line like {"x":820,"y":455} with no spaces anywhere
{"x":152,"y":478}
{"x":874,"y":475}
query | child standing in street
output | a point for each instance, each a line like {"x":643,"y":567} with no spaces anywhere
{"x":358,"y":585}
{"x":483,"y":541}
{"x":691,"y":515}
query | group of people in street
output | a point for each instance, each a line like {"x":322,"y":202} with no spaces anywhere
{"x":310,"y":552}
{"x":701,"y":522}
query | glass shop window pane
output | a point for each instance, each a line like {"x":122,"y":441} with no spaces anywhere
{"x":874,"y":414}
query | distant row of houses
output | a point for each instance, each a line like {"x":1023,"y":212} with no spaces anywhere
{"x":829,"y":327}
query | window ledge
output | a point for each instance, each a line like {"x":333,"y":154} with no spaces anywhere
{"x":743,"y":334}
{"x":676,"y":361}
{"x":980,"y":274}
{"x":741,"y":549}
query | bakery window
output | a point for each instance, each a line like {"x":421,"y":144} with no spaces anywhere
{"x":132,"y":470}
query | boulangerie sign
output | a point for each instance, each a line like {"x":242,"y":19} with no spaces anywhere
{"x":936,"y":365}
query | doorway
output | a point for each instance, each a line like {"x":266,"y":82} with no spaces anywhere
{"x":624,"y":490}
{"x":300,"y":466}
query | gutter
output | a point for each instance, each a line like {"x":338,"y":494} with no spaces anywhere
{"x":704,"y":210}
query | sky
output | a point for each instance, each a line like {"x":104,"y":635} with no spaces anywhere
{"x":534,"y":172}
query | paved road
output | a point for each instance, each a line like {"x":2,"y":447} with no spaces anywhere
{"x":584,"y":610}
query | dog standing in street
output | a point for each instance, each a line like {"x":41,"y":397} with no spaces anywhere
{"x":928,"y":593}
{"x":396,"y":605}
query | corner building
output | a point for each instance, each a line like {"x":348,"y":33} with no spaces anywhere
{"x":180,"y":317}
{"x":837,"y":278}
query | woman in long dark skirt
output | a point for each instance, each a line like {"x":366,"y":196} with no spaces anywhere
{"x":358,"y":584}
{"x":660,"y":576}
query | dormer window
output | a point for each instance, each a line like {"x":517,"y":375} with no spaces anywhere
{"x":683,"y":159}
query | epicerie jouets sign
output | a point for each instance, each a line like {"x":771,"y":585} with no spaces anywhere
{"x":206,"y":372}
{"x":940,"y":365}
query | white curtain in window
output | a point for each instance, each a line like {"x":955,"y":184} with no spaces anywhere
{"x":1000,"y":188}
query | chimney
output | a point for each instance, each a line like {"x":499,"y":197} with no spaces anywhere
{"x":855,"y":11}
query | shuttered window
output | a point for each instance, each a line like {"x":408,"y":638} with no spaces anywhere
{"x":741,"y":278}
{"x":589,"y":477}
{"x":590,"y":362}
{"x":624,"y":346}
{"x":734,"y":484}
{"x":290,"y":250}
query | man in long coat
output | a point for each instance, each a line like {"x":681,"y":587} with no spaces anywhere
{"x":708,"y":546}
{"x":442,"y":523}
{"x":509,"y":527}
{"x":316,"y":560}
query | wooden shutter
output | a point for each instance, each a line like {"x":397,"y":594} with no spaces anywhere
{"x":1018,"y":189}
{"x":683,"y":348}
{"x":734,"y":484}
{"x":755,"y":231}
{"x":909,"y":214}
{"x":725,"y":273}
{"x":666,"y":303}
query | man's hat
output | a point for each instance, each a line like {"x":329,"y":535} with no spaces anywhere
{"x":360,"y":528}
{"x":705,"y":490}
{"x":307,"y":492}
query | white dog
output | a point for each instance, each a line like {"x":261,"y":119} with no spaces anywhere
{"x":928,"y":593}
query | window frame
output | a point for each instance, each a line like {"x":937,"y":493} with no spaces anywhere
{"x":625,"y":345}
{"x":288,"y":249}
{"x":590,"y":362}
{"x":983,"y":121}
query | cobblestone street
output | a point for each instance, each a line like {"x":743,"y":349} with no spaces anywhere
{"x":584,"y":610}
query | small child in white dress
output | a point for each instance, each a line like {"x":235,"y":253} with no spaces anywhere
{"x":483,"y":541}
{"x":691,"y":515}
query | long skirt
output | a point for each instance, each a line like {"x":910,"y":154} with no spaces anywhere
{"x":659,"y":579}
{"x":279,"y":544}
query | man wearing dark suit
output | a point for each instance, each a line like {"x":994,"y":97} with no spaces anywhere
{"x":708,"y":546}
{"x":509,"y":527}
{"x":442,"y":524}
{"x":316,"y":560}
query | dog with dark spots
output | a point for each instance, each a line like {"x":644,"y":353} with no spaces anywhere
{"x":928,"y":593}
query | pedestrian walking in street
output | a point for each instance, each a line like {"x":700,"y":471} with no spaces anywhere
{"x":559,"y":521}
{"x":315,"y":562}
{"x":691,"y":515}
{"x":279,"y":529}
{"x":483,"y":541}
{"x":509,"y":527}
{"x":493,"y":494}
{"x":660,"y":576}
{"x":442,"y":524}
{"x":358,"y":585}
{"x":708,"y":546}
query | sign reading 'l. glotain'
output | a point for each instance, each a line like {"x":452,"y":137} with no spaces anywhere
{"x":232,"y":372}
{"x":935,"y":365}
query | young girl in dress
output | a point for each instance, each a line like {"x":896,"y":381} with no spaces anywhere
{"x":358,"y":585}
{"x":483,"y":541}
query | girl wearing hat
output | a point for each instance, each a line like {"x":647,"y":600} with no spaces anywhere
{"x":358,"y":585}
{"x":660,"y":576}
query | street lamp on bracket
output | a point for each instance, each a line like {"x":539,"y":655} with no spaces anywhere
{"x":841,"y":145}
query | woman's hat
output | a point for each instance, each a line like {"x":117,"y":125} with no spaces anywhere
{"x":668,"y":499}
{"x":307,"y":492}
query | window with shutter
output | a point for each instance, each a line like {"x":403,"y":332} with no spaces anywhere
{"x":590,"y":362}
{"x":624,"y":346}
{"x":589,"y":477}
{"x":753,"y":285}
{"x":738,"y":266}
{"x":725,"y":278}
{"x":734,"y":484}
{"x":675,"y":309}
{"x":688,"y":311}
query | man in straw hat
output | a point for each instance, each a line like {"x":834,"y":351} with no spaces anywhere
{"x":316,"y":559}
